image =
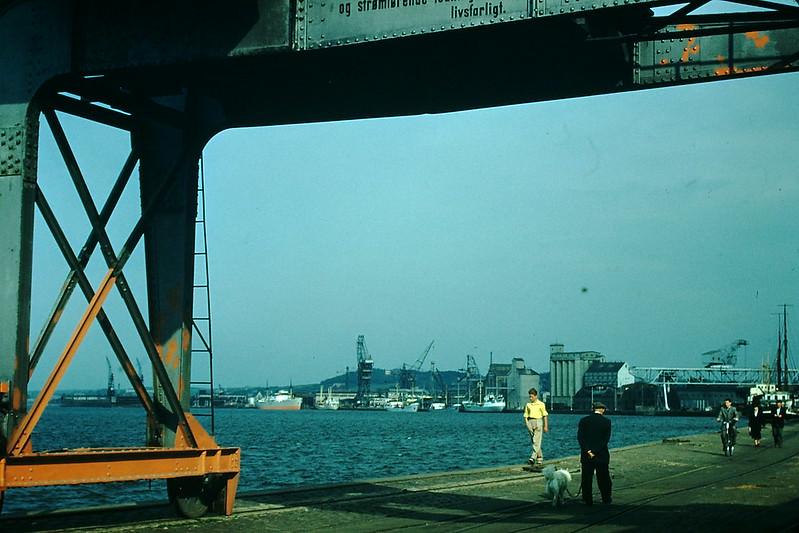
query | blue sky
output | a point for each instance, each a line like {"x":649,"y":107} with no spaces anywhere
{"x":650,"y":226}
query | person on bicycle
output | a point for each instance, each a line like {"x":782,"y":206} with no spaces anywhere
{"x":727,"y":414}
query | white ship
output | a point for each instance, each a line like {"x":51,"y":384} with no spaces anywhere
{"x":282,"y":400}
{"x":398,"y":406}
{"x":491,"y":404}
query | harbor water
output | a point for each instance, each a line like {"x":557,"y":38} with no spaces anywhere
{"x":311,"y":447}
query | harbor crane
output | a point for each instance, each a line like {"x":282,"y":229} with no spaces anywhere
{"x":408,"y":375}
{"x":725,"y":356}
{"x":365,"y":365}
{"x":472,"y":377}
{"x":110,"y":389}
{"x":438,"y":381}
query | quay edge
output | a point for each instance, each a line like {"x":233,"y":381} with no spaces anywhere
{"x":659,"y":486}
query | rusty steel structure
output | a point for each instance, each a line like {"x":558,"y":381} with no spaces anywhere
{"x":173,"y":74}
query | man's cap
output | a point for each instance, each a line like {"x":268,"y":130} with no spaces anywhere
{"x":599,"y":405}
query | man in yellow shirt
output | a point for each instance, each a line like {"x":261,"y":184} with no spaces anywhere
{"x":535,"y":417}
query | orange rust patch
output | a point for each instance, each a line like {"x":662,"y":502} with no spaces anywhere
{"x":726,"y":71}
{"x":722,"y":70}
{"x":759,"y":40}
{"x":664,"y":61}
{"x":172,"y":353}
{"x":689,"y":50}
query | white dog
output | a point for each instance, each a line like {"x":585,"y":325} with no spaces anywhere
{"x":557,"y":484}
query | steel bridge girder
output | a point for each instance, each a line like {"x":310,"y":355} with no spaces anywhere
{"x":695,"y":57}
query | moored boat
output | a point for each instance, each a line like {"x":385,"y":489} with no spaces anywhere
{"x":767,"y":394}
{"x":282,"y":400}
{"x":491,"y":404}
{"x":330,"y":404}
{"x":399,"y":406}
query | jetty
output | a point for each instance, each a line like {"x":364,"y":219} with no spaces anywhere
{"x":679,"y":484}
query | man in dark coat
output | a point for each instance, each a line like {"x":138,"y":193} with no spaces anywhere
{"x":593,"y":434}
{"x":777,"y":423}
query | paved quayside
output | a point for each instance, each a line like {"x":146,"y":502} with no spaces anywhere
{"x":683,"y":484}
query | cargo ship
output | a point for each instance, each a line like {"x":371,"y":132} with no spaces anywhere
{"x":282,"y":400}
{"x":109,"y":399}
{"x":98,"y":399}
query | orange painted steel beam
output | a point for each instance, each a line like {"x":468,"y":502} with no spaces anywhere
{"x":121,"y":464}
{"x":22,"y":434}
{"x":98,"y":465}
{"x":104,"y":465}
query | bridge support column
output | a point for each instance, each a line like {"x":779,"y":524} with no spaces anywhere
{"x":18,"y":154}
{"x":169,"y":257}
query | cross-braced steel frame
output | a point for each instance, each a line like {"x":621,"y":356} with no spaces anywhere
{"x":201,"y":474}
{"x":175,"y":73}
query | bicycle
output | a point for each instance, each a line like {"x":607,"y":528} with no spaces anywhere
{"x":728,"y":437}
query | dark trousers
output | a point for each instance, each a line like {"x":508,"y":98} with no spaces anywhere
{"x":776,"y":432}
{"x":602,"y":480}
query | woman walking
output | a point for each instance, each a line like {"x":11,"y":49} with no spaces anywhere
{"x":755,"y":424}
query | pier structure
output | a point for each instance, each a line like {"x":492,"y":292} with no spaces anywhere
{"x":744,"y":377}
{"x":705,"y":388}
{"x":171,"y":75}
{"x":662,"y":486}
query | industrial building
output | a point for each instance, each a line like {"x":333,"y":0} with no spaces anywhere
{"x":513,"y":380}
{"x":566,"y":374}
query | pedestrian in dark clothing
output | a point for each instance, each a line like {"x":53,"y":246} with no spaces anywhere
{"x":755,"y":424}
{"x":777,"y":423}
{"x":593,"y":434}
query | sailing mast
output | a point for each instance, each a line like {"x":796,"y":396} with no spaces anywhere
{"x":779,"y":355}
{"x":785,"y":343}
{"x":782,"y":349}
